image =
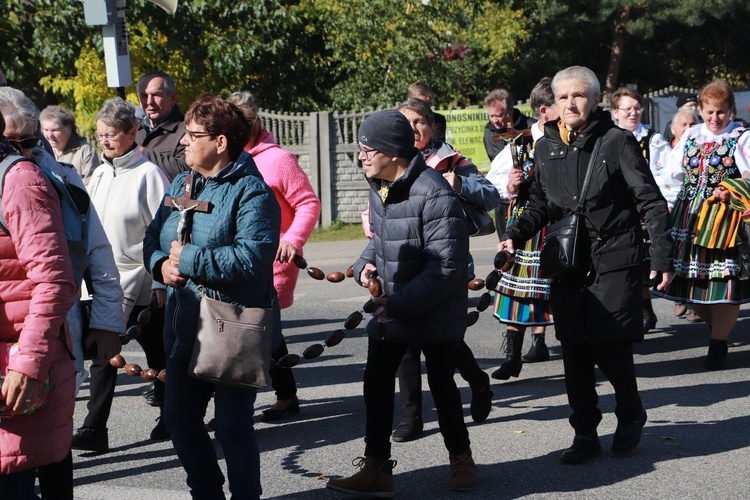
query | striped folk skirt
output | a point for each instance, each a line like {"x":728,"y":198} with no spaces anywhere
{"x":702,"y":275}
{"x":522,"y":296}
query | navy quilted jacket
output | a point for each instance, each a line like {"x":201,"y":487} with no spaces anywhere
{"x":420,"y":247}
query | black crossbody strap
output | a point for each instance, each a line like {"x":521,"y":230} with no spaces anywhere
{"x":589,"y":169}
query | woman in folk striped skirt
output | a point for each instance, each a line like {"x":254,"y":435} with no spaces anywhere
{"x":706,"y":259}
{"x":522,"y":298}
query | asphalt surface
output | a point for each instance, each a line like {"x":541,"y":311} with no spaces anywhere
{"x":695,"y":444}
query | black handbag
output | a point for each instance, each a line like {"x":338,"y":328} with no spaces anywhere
{"x":566,"y":247}
{"x":478,"y":221}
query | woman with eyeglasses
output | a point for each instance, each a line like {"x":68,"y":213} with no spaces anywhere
{"x":300,"y":209}
{"x":627,"y":110}
{"x":126,"y":190}
{"x":706,"y":258}
{"x":231,"y":251}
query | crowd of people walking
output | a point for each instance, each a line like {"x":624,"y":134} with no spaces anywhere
{"x":661,"y":216}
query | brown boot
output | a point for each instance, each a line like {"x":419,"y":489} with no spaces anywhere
{"x":463,"y":472}
{"x":374,"y":478}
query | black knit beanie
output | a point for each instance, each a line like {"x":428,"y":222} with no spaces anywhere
{"x":388,"y":132}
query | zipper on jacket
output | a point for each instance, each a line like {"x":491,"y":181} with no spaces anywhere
{"x":174,"y":323}
{"x":382,"y":249}
{"x":222,"y":322}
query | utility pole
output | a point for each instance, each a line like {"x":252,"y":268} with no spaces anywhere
{"x":110,"y":15}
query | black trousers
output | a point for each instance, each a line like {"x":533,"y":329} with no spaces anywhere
{"x":410,"y":376}
{"x":282,"y":379}
{"x":383,"y":359}
{"x":615,"y":360}
{"x":104,"y":375}
{"x":501,"y":217}
{"x":56,"y":480}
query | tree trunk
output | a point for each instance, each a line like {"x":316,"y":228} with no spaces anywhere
{"x":615,"y":58}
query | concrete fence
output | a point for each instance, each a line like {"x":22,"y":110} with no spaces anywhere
{"x":326,"y":145}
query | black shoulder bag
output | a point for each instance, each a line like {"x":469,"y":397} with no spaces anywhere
{"x":565,"y":250}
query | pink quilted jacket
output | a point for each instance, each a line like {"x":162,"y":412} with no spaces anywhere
{"x":300,"y":206}
{"x":36,"y":292}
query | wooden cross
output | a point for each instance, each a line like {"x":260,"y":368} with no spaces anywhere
{"x":511,"y":136}
{"x":184,"y":206}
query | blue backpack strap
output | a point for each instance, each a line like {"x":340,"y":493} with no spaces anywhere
{"x":5,"y":165}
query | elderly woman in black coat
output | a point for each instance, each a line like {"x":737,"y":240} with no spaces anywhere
{"x":598,"y":311}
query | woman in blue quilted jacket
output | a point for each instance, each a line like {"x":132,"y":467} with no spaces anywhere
{"x":231,"y":251}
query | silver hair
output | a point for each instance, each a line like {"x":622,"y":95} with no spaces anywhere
{"x":18,"y":109}
{"x":118,"y":113}
{"x":500,"y":95}
{"x":585,"y":75}
{"x":61,"y":116}
{"x":685,"y":112}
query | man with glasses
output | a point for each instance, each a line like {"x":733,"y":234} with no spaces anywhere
{"x":163,"y":126}
{"x":420,"y":253}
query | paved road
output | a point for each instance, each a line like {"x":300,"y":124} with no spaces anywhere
{"x":695,"y":444}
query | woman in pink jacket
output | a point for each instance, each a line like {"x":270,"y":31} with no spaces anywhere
{"x":36,"y":292}
{"x":300,"y":209}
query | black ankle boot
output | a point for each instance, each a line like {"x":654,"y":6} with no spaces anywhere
{"x":513,"y":346}
{"x":649,"y":316}
{"x":538,"y":351}
{"x":717,"y":353}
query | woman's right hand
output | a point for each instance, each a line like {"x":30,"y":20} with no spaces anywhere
{"x":506,"y":246}
{"x":515,"y":179}
{"x":19,"y":391}
{"x":364,"y":276}
{"x":171,"y":275}
{"x":722,"y":194}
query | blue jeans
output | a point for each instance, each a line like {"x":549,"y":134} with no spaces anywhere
{"x":185,"y":402}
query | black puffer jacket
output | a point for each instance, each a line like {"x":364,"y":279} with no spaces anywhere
{"x":606,"y":303}
{"x":420,"y":247}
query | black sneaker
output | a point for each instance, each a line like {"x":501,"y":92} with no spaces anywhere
{"x":160,"y":432}
{"x":88,"y":439}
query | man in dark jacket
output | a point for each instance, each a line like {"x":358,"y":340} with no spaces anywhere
{"x":160,"y":132}
{"x":420,"y":251}
{"x":598,"y":312}
{"x":500,"y":107}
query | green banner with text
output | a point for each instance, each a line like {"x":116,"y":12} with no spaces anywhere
{"x":465,"y":132}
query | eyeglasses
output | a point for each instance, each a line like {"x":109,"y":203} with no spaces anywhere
{"x":635,"y":110}
{"x":369,"y":153}
{"x":112,"y":136}
{"x":193,"y":135}
{"x":26,"y":143}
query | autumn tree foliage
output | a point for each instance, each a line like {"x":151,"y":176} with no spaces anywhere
{"x":307,"y":55}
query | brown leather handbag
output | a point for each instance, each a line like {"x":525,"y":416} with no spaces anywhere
{"x":233,"y":345}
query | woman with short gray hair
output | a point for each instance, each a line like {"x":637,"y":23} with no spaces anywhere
{"x":598,"y":314}
{"x":59,"y":128}
{"x":127,"y":191}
